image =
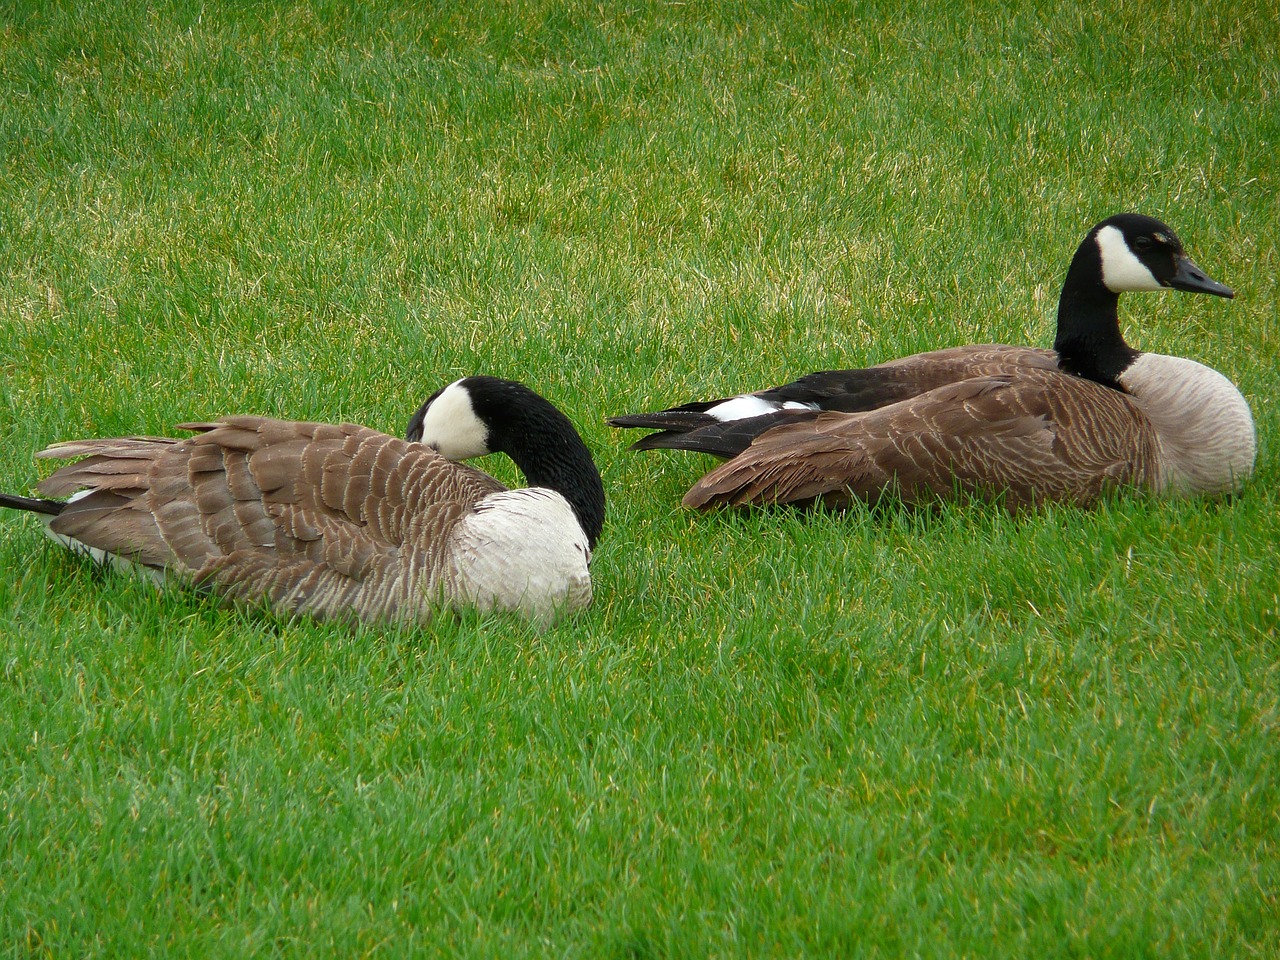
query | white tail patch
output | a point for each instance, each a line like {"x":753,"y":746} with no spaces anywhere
{"x":749,"y":405}
{"x":106,"y":559}
{"x":97,"y":555}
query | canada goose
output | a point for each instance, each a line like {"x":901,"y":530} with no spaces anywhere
{"x":341,"y":520}
{"x":1019,"y":422}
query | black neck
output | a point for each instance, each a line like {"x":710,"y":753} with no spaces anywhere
{"x":1089,"y":343}
{"x":543,"y":443}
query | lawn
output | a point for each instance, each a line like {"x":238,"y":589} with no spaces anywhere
{"x":877,"y":734}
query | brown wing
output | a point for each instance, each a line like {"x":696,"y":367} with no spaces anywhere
{"x":1036,"y":436}
{"x":317,"y":518}
{"x":690,"y":427}
{"x":953,"y":364}
{"x":868,"y":388}
{"x":115,"y":517}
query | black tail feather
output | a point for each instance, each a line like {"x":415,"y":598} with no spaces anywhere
{"x":701,"y":441}
{"x":675,"y":421}
{"x":31,"y":504}
{"x":722,"y":439}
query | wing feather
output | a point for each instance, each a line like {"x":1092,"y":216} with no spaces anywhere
{"x":324,"y":519}
{"x":689,"y":427}
{"x":1039,"y":435}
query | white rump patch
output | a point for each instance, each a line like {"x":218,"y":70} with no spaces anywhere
{"x":1122,"y":271}
{"x":452,"y":427}
{"x":749,"y":405}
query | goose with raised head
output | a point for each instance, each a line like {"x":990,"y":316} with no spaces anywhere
{"x":1020,"y":423}
{"x":342,"y":521}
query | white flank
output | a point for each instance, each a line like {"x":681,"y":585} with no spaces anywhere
{"x":1121,"y":269}
{"x":452,"y":427}
{"x":1207,"y":437}
{"x":749,"y":405}
{"x":522,"y":550}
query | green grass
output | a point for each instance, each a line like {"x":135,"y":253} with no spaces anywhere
{"x":879,"y":734}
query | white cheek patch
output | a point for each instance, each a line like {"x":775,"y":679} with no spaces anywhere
{"x":1121,"y":270}
{"x":452,"y":427}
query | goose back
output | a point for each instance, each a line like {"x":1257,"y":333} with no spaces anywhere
{"x":319,"y":519}
{"x":705,"y":428}
{"x":1038,"y":436}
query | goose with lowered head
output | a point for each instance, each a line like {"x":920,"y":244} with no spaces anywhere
{"x":341,"y":521}
{"x":1019,"y":423}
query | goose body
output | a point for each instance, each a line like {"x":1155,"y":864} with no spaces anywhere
{"x":1020,"y":423}
{"x":342,"y":521}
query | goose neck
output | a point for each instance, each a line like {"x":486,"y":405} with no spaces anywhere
{"x":550,"y":453}
{"x":1089,"y":342}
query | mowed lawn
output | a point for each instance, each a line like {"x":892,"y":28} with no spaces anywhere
{"x":880,"y":734}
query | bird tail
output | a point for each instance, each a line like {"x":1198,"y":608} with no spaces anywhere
{"x":31,"y":504}
{"x":725,"y":439}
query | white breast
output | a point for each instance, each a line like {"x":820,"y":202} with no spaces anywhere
{"x":1204,"y":425}
{"x":522,"y":550}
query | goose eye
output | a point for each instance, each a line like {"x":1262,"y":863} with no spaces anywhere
{"x":1142,"y":244}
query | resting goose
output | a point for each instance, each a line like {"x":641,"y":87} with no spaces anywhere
{"x":341,"y":521}
{"x":1020,"y":423}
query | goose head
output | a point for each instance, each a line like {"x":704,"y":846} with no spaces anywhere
{"x":1141,"y":253}
{"x":1124,"y":253}
{"x":449,"y":423}
{"x":480,"y":415}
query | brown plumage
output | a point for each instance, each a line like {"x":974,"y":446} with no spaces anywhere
{"x":1016,"y":423}
{"x":343,"y":521}
{"x":998,"y":436}
{"x":311,"y":518}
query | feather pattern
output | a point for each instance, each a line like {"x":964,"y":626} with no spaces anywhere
{"x":993,"y":437}
{"x":312,"y":518}
{"x":328,"y":520}
{"x":1023,"y":424}
{"x":847,"y":391}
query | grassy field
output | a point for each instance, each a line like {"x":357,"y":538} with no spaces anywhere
{"x":881,"y":734}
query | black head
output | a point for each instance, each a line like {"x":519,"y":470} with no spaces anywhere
{"x":479,"y":415}
{"x":1124,"y":253}
{"x":1137,"y":252}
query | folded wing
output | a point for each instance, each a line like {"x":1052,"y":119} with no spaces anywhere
{"x":314,"y":518}
{"x":1036,"y":436}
